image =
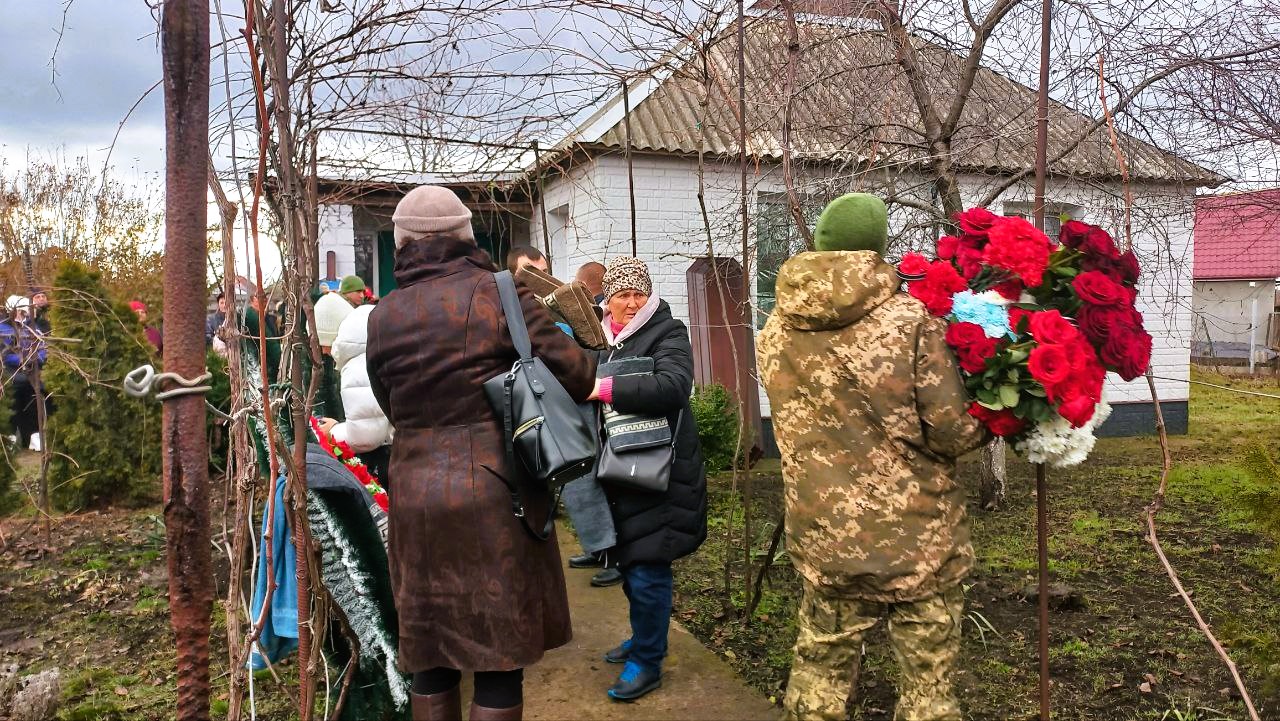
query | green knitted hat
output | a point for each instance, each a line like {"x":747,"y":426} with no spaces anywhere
{"x":857,"y":221}
{"x":351,"y":284}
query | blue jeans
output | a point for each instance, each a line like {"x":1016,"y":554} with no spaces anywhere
{"x":648,"y":589}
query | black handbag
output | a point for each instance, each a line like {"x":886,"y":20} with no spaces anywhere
{"x":541,"y":423}
{"x":638,"y":467}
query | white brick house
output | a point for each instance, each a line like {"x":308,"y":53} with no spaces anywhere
{"x":588,"y":182}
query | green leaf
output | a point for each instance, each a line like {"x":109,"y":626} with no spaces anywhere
{"x":1036,"y":391}
{"x":1009,"y":395}
{"x":1018,"y":356}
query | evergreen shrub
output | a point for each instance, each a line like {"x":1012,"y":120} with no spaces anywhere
{"x":716,"y":412}
{"x":107,"y":444}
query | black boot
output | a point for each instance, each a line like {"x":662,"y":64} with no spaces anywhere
{"x":587,"y":560}
{"x":607,"y":577}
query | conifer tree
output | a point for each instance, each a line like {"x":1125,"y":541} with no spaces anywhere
{"x":108,"y":444}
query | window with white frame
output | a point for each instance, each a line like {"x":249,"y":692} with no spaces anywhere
{"x":1053,"y":214}
{"x":777,"y":238}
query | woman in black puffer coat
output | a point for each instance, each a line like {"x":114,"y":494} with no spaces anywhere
{"x":653,"y":529}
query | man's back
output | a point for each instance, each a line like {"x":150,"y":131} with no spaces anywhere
{"x":869,"y":412}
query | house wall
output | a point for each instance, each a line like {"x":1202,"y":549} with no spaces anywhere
{"x":337,"y":233}
{"x":671,"y":233}
{"x":1224,"y":313}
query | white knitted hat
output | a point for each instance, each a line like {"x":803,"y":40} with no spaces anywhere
{"x":431,"y":210}
{"x":331,"y":310}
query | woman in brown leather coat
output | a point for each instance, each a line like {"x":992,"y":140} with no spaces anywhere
{"x":473,"y":590}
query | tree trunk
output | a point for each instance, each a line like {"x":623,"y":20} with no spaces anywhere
{"x":184,"y":42}
{"x":991,"y":476}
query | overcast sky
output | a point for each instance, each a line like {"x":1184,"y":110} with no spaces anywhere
{"x":107,"y":60}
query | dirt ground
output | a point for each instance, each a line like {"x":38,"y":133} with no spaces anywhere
{"x":1125,"y":647}
{"x":95,"y":605}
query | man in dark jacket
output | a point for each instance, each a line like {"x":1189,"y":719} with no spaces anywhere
{"x":653,"y":529}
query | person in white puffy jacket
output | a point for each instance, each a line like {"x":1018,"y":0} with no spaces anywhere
{"x":366,"y":429}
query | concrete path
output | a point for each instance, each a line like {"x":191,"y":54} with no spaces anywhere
{"x":570,"y":682}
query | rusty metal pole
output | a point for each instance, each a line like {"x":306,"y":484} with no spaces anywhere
{"x":1042,"y":485}
{"x":631,"y":173}
{"x":184,"y":43}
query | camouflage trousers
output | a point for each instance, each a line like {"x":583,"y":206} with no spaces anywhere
{"x":925,"y":636}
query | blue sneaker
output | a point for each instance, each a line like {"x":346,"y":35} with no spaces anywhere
{"x":634,"y":683}
{"x":619,"y":654}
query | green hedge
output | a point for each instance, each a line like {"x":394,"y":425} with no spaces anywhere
{"x":716,"y":413}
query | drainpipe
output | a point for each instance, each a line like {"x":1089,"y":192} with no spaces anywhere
{"x":1253,"y":329}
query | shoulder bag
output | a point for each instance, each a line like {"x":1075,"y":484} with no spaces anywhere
{"x":541,"y":423}
{"x":627,"y":462}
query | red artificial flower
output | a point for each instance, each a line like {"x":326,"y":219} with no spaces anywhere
{"x":1077,"y":410}
{"x":941,"y":281}
{"x":1050,"y":364}
{"x":1095,"y":288}
{"x":1003,"y":422}
{"x":913,"y":264}
{"x":1019,"y":247}
{"x":947,"y":246}
{"x":972,"y":346}
{"x":1048,"y":326}
{"x":976,"y":221}
{"x":1088,"y":239}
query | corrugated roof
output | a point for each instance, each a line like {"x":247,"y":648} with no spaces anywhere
{"x":852,"y":93}
{"x":1237,"y":237}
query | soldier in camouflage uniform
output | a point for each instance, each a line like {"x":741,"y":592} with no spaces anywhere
{"x":870,"y":414}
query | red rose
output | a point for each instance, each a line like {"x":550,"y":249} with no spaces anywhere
{"x":913,"y":264}
{"x":1048,"y":326}
{"x":1122,"y":269}
{"x":969,"y":260}
{"x":1128,"y":353}
{"x":1050,"y":364}
{"x":972,"y":346}
{"x":976,"y":221}
{"x":1019,"y":247}
{"x":1088,"y":239}
{"x":1095,"y":288}
{"x":1087,"y":373}
{"x":1017,"y":316}
{"x":1098,"y":322}
{"x":1077,"y":410}
{"x":947,"y":245}
{"x":1002,"y":422}
{"x":1130,"y":270}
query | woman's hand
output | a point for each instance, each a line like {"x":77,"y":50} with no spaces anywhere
{"x":595,"y":392}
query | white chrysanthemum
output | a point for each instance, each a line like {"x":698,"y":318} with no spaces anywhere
{"x":1055,"y":443}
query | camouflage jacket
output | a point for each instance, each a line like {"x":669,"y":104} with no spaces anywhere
{"x":869,"y":411}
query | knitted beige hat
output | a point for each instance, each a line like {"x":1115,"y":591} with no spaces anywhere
{"x":431,"y":210}
{"x":626,"y":274}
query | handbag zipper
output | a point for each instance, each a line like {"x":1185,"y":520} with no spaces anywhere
{"x":526,"y":426}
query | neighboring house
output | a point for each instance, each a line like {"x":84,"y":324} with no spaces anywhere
{"x":854,"y":128}
{"x":1237,"y":263}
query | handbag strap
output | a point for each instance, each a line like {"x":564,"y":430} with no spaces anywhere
{"x":520,"y":339}
{"x":515,"y":316}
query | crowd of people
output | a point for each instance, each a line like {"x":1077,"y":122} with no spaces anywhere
{"x":869,"y":412}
